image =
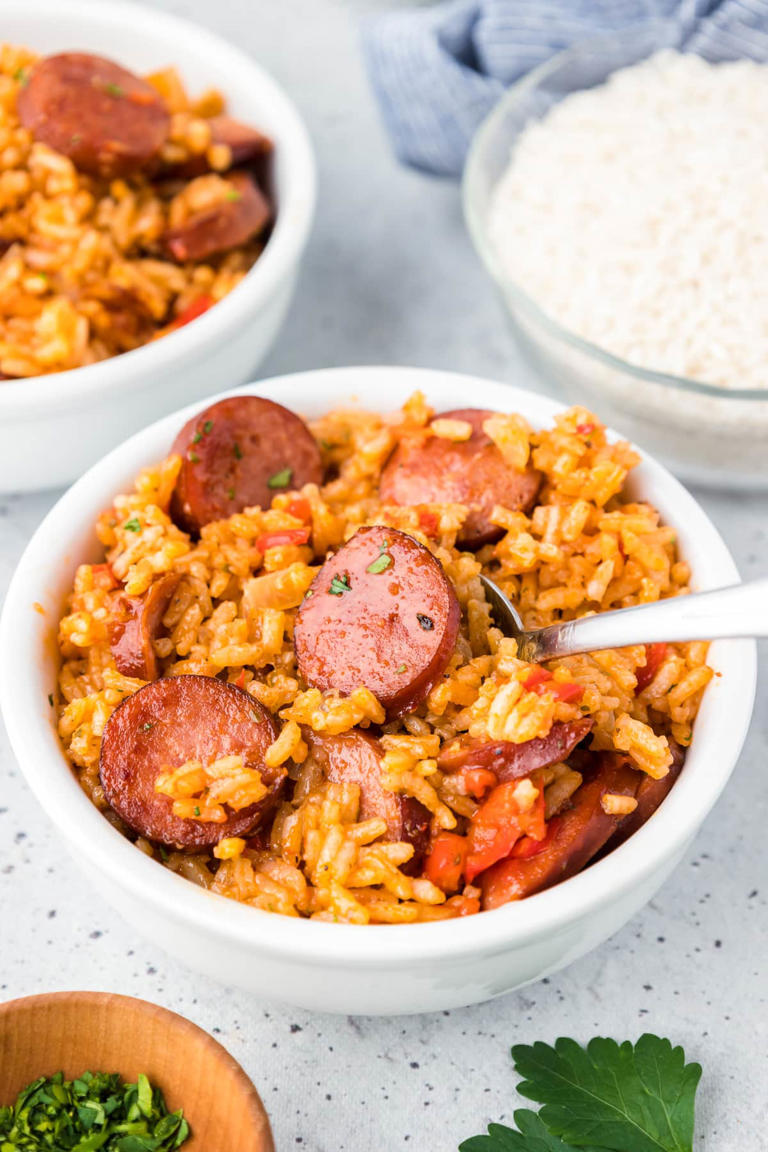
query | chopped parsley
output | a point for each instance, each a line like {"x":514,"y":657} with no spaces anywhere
{"x":401,"y":668}
{"x":75,"y":138}
{"x":382,"y":561}
{"x":193,"y":457}
{"x":380,"y":564}
{"x":197,"y":437}
{"x":132,"y":525}
{"x":97,"y":1110}
{"x":280,"y":479}
{"x":163,"y":852}
{"x":148,"y":726}
{"x":238,"y":452}
{"x":114,"y":89}
{"x":50,"y":699}
{"x":231,"y":493}
{"x":21,"y":76}
{"x":233,"y":194}
{"x":207,"y":426}
{"x":426,"y":622}
{"x":340,"y":585}
{"x":197,"y":810}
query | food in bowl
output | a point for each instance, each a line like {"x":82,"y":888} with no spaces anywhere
{"x":282,"y":681}
{"x":659,"y":221}
{"x":127,"y":208}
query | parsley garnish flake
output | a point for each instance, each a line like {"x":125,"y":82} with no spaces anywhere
{"x":280,"y":479}
{"x":133,"y":525}
{"x":340,"y":585}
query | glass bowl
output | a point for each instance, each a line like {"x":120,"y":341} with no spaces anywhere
{"x":706,"y":434}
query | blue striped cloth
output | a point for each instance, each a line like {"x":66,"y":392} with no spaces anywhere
{"x":438,"y":71}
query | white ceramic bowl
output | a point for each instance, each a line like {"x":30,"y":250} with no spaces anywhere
{"x":339,"y":967}
{"x":54,"y":427}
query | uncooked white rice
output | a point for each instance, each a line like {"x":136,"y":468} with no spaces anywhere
{"x":655,"y":247}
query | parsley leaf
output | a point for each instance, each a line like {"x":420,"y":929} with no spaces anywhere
{"x":133,"y":525}
{"x":380,"y":564}
{"x":280,"y":479}
{"x":531,"y":1137}
{"x":339,"y":585}
{"x":623,"y":1097}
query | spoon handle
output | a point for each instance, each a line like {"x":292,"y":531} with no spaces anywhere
{"x":739,"y":610}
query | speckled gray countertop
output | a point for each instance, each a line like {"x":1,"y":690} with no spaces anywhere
{"x":390,"y":277}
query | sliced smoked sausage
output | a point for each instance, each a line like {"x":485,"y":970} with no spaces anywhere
{"x":649,"y":796}
{"x":239,"y":453}
{"x":380,"y":613}
{"x":577,"y":836}
{"x":356,"y":758}
{"x":243,"y":215}
{"x":167,"y":723}
{"x":137,"y":625}
{"x":108,"y":121}
{"x":513,"y":761}
{"x":471,"y":472}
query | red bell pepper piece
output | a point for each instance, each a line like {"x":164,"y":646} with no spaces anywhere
{"x":446,"y":860}
{"x":655,"y":655}
{"x":282,"y":537}
{"x":478,"y":781}
{"x":194,"y":309}
{"x":537,"y":680}
{"x":496,"y":827}
{"x":567,"y":693}
{"x":300,"y":507}
{"x":540,"y":681}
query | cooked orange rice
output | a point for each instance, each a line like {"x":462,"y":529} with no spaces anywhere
{"x":81,"y":275}
{"x":582,"y":549}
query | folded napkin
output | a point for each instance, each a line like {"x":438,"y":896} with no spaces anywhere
{"x":438,"y":71}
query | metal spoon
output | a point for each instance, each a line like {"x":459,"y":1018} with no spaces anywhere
{"x":739,"y":610}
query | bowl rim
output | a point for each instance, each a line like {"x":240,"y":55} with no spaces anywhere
{"x":24,"y":397}
{"x":470,"y":184}
{"x":88,"y":834}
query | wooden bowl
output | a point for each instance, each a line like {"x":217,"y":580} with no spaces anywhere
{"x":98,"y":1031}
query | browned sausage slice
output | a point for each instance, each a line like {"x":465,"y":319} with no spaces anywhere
{"x":245,"y":143}
{"x":239,"y":453}
{"x":471,"y":472}
{"x":649,"y":796}
{"x":235,"y":221}
{"x":579,"y":834}
{"x":106,"y":120}
{"x":167,"y":723}
{"x":356,"y":758}
{"x":513,"y":761}
{"x":137,"y":625}
{"x":380,"y":613}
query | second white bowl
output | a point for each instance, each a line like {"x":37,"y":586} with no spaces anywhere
{"x":54,"y":427}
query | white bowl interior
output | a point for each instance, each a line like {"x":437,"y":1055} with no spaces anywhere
{"x":146,"y":39}
{"x":28,"y":662}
